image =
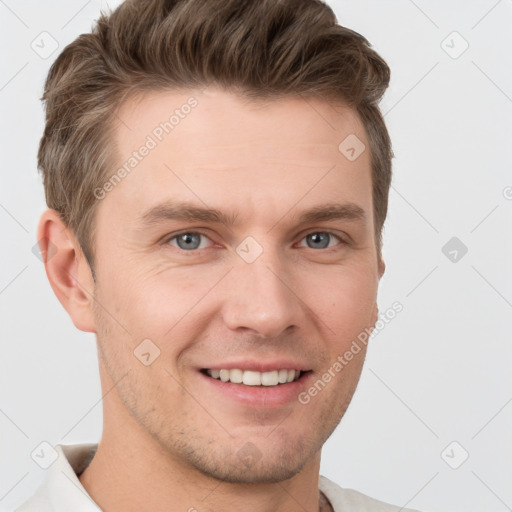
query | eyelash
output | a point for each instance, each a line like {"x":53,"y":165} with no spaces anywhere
{"x":167,"y":240}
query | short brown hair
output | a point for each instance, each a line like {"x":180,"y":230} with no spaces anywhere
{"x":264,"y":49}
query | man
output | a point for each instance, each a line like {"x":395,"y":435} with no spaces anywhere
{"x":217,"y":174}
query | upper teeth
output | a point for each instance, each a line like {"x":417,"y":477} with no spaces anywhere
{"x":251,"y":378}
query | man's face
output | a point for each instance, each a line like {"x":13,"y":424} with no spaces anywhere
{"x":260,"y":289}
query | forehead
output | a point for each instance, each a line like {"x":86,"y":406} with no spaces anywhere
{"x":214,"y":147}
{"x":304,"y":121}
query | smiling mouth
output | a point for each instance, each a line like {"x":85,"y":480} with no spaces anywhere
{"x":255,"y":378}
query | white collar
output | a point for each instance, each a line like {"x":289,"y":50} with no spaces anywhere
{"x":62,"y":491}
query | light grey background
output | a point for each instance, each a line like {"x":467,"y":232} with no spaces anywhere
{"x":438,"y":373}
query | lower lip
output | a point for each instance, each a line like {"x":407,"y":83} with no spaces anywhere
{"x":260,"y":397}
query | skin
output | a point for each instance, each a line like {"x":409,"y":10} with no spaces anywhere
{"x":165,"y":428}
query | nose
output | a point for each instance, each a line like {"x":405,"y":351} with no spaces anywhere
{"x":261,"y":298}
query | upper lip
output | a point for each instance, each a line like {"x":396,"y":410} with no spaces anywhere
{"x":258,"y":366}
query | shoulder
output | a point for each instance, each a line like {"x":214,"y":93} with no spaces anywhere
{"x":61,"y":489}
{"x":38,"y":502}
{"x":349,"y":499}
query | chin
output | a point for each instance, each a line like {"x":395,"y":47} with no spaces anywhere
{"x":254,"y":463}
{"x":263,"y":471}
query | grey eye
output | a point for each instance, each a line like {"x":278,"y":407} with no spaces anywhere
{"x":188,"y":241}
{"x":318,"y":240}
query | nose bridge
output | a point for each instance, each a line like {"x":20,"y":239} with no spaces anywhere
{"x":260,"y":295}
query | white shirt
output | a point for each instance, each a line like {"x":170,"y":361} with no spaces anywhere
{"x":62,"y":491}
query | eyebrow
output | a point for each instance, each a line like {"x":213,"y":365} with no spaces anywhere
{"x":172,"y":210}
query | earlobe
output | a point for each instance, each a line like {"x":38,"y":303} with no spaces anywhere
{"x":382,"y":267}
{"x":67,"y":269}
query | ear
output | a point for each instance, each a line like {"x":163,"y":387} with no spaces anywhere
{"x":375,"y":311}
{"x":67,"y":269}
{"x":381,"y":267}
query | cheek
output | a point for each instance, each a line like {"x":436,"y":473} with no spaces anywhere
{"x":343,"y":297}
{"x":164,"y":305}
